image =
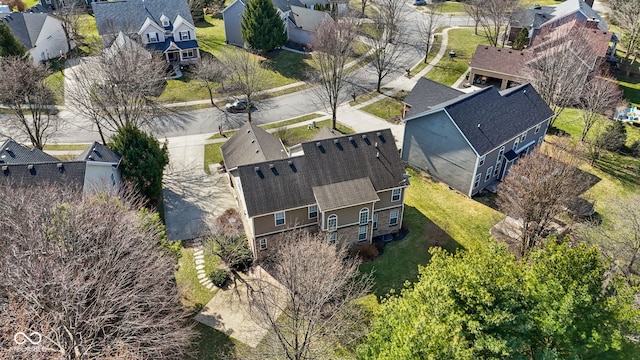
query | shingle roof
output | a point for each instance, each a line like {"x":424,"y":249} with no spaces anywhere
{"x":69,"y":174}
{"x":13,"y":153}
{"x":182,"y":45}
{"x":489,"y":118}
{"x":500,"y":60}
{"x":344,"y":193}
{"x":308,"y":19}
{"x":569,"y":7}
{"x":285,"y":5}
{"x":97,"y":152}
{"x":326,"y":133}
{"x":288,"y":183}
{"x":251,"y":144}
{"x":427,"y":93}
{"x":25,"y":26}
{"x":129,"y":15}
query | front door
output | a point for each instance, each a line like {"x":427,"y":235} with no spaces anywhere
{"x":173,"y":56}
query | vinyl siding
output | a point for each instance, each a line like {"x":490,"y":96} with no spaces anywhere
{"x":232,"y":17}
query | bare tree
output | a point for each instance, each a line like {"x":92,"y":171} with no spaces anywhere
{"x":561,"y":68}
{"x":600,"y":94}
{"x":385,"y":37}
{"x":495,"y":16}
{"x":539,"y":188}
{"x":625,"y":14}
{"x":618,"y":236}
{"x":90,"y":278}
{"x":24,"y":90}
{"x":210,"y":72}
{"x":333,"y":47}
{"x":318,"y":284}
{"x":428,"y":26}
{"x":245,"y":74}
{"x":120,"y":87}
{"x":363,"y":5}
{"x":68,"y":12}
{"x":474,"y":10}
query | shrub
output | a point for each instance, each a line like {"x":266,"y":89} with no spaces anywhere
{"x":366,"y":252}
{"x":219,"y":277}
{"x":614,"y":136}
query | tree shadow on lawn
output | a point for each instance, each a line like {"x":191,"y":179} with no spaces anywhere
{"x":400,"y":259}
{"x":625,"y":171}
{"x":288,"y":64}
{"x":213,"y":344}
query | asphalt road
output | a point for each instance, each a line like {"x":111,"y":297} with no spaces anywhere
{"x":77,"y":130}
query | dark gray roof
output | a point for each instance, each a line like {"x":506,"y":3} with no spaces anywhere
{"x":69,"y":174}
{"x":13,"y":153}
{"x":326,"y":133}
{"x":345,"y":193}
{"x":533,"y":16}
{"x":97,"y":152}
{"x":489,"y":118}
{"x":285,"y":5}
{"x":25,"y":27}
{"x":251,"y":144}
{"x":129,"y":15}
{"x":288,"y":183}
{"x":427,"y":93}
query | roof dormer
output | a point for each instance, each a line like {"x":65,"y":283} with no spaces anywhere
{"x":164,"y":20}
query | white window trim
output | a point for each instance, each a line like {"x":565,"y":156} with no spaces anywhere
{"x":476,"y":183}
{"x":374,"y":220}
{"x":482,"y":159}
{"x":284,"y":218}
{"x":333,"y":236}
{"x":188,"y":37}
{"x":153,"y":39}
{"x":516,"y":143}
{"x":263,"y":244}
{"x":523,"y":137}
{"x":309,"y":212}
{"x":393,"y":194}
{"x":391,"y":217}
{"x":329,"y":227}
{"x":363,"y":211}
{"x":489,"y":172}
{"x":540,"y":140}
{"x":365,"y":233}
{"x":537,"y":130}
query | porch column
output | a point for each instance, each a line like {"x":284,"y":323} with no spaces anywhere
{"x":504,"y":84}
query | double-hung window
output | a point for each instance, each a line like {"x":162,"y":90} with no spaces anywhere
{"x":279,"y":217}
{"x":374,"y":219}
{"x":332,"y":222}
{"x":395,"y":194}
{"x":152,"y":37}
{"x":263,"y":244}
{"x":476,"y":182}
{"x":185,"y":35}
{"x":362,"y":232}
{"x":313,"y":211}
{"x":489,"y":171}
{"x":393,"y":218}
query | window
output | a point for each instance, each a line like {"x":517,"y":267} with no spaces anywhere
{"x":482,"y":159}
{"x":332,"y":222}
{"x":165,"y":22}
{"x":362,"y":233}
{"x":364,"y":216}
{"x":152,"y":37}
{"x":185,"y":35}
{"x":375,"y":221}
{"x":313,"y":211}
{"x":476,"y":181}
{"x":538,"y":128}
{"x":500,"y":154}
{"x":279,"y":218}
{"x":263,"y":244}
{"x":523,"y":136}
{"x":395,"y":194}
{"x":540,"y":141}
{"x":515,"y":143}
{"x":393,"y":218}
{"x":496,"y":171}
{"x":188,"y":54}
{"x":489,"y":171}
{"x":332,"y":237}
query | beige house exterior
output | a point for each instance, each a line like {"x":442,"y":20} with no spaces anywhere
{"x":350,"y":188}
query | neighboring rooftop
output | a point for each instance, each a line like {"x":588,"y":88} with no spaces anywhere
{"x":251,"y":144}
{"x":427,"y":93}
{"x":97,"y":152}
{"x":129,"y":15}
{"x":13,"y":153}
{"x":500,"y":60}
{"x":345,"y":193}
{"x":26,"y":27}
{"x":290,"y":183}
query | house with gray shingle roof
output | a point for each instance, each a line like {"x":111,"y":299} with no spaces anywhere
{"x":40,"y":33}
{"x":160,"y":25}
{"x":425,"y":94}
{"x":349,"y":187}
{"x":95,"y":170}
{"x":471,"y":141}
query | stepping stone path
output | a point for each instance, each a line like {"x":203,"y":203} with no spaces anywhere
{"x":198,"y":255}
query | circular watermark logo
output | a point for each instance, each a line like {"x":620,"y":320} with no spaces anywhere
{"x":21,"y":338}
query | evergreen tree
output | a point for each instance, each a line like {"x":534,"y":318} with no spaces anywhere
{"x":9,"y":45}
{"x":521,"y":40}
{"x":614,"y":136}
{"x":262,"y":27}
{"x":143,"y":160}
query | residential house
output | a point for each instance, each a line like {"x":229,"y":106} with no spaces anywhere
{"x":537,"y":19}
{"x":95,"y":170}
{"x":160,"y":25}
{"x":506,"y":68}
{"x":351,"y":188}
{"x":425,"y":94}
{"x":470,"y":142}
{"x":300,"y":20}
{"x":40,"y":33}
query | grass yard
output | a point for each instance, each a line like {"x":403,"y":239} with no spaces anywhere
{"x":274,"y":125}
{"x":368,"y":10}
{"x":30,"y":3}
{"x":90,"y":42}
{"x":464,"y":43}
{"x":435,"y":47}
{"x":451,"y":7}
{"x":65,"y":147}
{"x":210,"y":35}
{"x":389,"y":108}
{"x":194,"y":295}
{"x":529,"y":3}
{"x":435,"y":216}
{"x":55,"y":82}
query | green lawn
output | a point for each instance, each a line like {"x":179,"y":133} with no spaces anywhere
{"x":55,"y":82}
{"x":90,"y":42}
{"x":389,"y":108}
{"x":528,"y":3}
{"x":451,"y":7}
{"x":194,"y":295}
{"x":184,"y":89}
{"x":66,"y":147}
{"x":30,"y":3}
{"x":464,"y":43}
{"x":435,"y":216}
{"x":435,"y":47}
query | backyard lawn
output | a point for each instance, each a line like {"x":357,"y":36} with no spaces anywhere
{"x":389,"y":108}
{"x":464,"y":43}
{"x":90,"y":42}
{"x":194,"y":294}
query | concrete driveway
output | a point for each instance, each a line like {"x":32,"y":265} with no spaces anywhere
{"x":190,"y":195}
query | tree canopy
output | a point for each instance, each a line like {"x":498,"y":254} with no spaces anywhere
{"x":262,"y":28}
{"x":555,"y":303}
{"x":143,"y":160}
{"x":9,"y":45}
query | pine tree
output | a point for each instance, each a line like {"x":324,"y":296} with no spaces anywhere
{"x":9,"y":45}
{"x":521,"y":40}
{"x":262,"y":27}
